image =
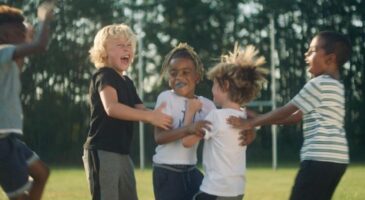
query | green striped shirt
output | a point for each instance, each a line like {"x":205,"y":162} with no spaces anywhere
{"x":322,"y":102}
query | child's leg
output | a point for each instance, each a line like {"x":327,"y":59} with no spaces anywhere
{"x":40,"y":173}
{"x":172,"y":182}
{"x":317,"y":180}
{"x":335,"y":172}
{"x":103,"y":170}
{"x":13,"y":167}
{"x":127,"y":184}
{"x":193,"y":180}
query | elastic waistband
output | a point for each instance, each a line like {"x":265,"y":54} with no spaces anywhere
{"x":175,"y":168}
{"x":6,"y":135}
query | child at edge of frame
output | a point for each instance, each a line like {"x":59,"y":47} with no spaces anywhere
{"x":321,"y":105}
{"x":17,"y":161}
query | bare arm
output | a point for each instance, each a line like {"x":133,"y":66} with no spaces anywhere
{"x":188,"y":128}
{"x":39,"y":43}
{"x":277,"y":115}
{"x":190,"y":140}
{"x":117,"y":110}
{"x":141,"y":107}
{"x":292,"y":119}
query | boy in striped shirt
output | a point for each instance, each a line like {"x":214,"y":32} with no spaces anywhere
{"x":324,"y":154}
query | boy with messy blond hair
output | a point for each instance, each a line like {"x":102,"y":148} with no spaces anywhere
{"x":114,"y":105}
{"x":237,"y":80}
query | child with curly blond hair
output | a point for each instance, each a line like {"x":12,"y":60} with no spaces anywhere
{"x":237,"y":80}
{"x":114,"y":105}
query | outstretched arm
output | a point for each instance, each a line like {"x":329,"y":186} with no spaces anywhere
{"x":117,"y":110}
{"x":292,"y":119}
{"x":39,"y":43}
{"x":275,"y":116}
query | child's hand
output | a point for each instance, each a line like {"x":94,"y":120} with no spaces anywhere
{"x":194,"y":105}
{"x":160,"y":119}
{"x":239,"y":123}
{"x":45,"y":10}
{"x":247,"y":137}
{"x":198,"y":128}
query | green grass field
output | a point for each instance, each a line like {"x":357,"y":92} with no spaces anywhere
{"x":67,"y":183}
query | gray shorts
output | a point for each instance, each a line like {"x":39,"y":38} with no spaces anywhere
{"x":110,"y":175}
{"x":205,"y":196}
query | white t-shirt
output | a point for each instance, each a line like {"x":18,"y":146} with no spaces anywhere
{"x":174,"y":153}
{"x":224,"y":160}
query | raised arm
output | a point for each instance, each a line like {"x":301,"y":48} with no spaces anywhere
{"x":39,"y":43}
{"x":117,"y":110}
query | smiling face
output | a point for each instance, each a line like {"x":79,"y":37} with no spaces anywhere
{"x":317,"y":58}
{"x":119,"y":53}
{"x":183,"y":76}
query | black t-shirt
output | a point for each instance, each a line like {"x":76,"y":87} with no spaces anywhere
{"x":107,"y":133}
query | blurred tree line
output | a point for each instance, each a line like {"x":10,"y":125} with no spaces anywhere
{"x":55,"y":83}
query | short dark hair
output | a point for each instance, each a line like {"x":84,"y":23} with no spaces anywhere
{"x":10,"y":15}
{"x":337,"y":43}
{"x":11,"y":22}
{"x":183,"y":50}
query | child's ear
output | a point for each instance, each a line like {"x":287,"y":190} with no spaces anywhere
{"x":226,"y":85}
{"x":331,"y":59}
{"x":197,"y":78}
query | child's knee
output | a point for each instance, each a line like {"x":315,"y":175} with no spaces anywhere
{"x":39,"y":172}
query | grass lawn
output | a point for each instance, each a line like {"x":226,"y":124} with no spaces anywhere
{"x":67,"y":183}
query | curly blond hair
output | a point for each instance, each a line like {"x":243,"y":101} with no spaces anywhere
{"x":97,"y":52}
{"x":183,"y":50}
{"x":240,"y":73}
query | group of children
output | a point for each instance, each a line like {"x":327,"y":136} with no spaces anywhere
{"x":181,"y":118}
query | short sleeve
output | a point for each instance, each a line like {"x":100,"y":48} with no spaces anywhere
{"x":161,"y":99}
{"x":309,"y":97}
{"x":211,"y":117}
{"x":136,"y":99}
{"x":105,"y":78}
{"x":6,"y":54}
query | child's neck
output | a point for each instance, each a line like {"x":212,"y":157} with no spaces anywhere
{"x":334,"y":74}
{"x":332,"y":71}
{"x":231,"y":105}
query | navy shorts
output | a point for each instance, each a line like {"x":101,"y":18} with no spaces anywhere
{"x":177,"y":182}
{"x":15,"y":157}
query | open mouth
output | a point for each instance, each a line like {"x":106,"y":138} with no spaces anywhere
{"x":125,"y":59}
{"x":179,"y":85}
